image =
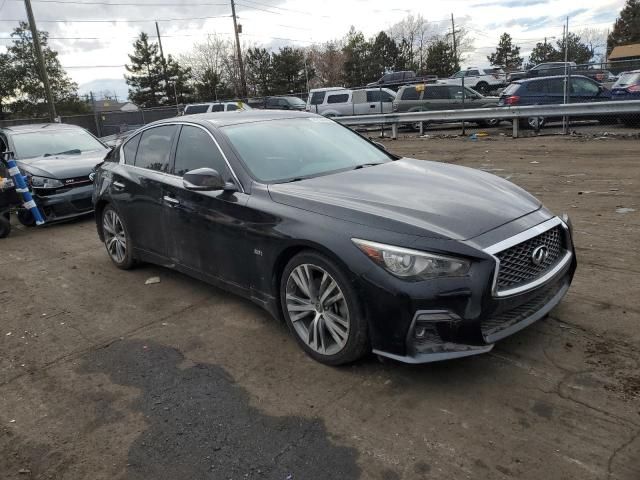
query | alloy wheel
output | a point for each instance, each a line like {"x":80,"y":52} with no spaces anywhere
{"x":115,"y":238}
{"x":317,"y":309}
{"x":535,"y":122}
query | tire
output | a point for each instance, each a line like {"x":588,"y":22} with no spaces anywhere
{"x":530,"y":123}
{"x":482,"y":87}
{"x":116,"y":239}
{"x":492,"y":122}
{"x":5,"y":224}
{"x":331,"y":330}
{"x":26,"y":218}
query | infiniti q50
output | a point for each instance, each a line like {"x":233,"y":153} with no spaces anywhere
{"x":356,"y":249}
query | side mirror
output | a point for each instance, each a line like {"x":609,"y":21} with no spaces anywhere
{"x":206,"y":179}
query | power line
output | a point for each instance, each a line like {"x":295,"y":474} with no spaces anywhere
{"x":142,"y":20}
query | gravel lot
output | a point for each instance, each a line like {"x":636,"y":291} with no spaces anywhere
{"x":104,"y":377}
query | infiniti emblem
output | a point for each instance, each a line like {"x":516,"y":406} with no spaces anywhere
{"x":539,"y":255}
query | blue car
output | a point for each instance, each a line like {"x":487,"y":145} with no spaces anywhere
{"x":627,"y":88}
{"x":550,"y":91}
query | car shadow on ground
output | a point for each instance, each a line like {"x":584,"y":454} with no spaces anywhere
{"x":202,"y":426}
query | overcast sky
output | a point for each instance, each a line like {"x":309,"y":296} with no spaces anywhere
{"x":83,"y":46}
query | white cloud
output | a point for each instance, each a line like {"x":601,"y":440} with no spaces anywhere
{"x":301,"y":21}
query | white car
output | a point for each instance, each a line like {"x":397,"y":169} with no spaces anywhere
{"x":208,"y":107}
{"x":337,"y":102}
{"x":483,"y":80}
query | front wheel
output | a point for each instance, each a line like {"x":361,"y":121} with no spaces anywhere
{"x":534,"y":123}
{"x":116,"y":239}
{"x":322,"y":310}
{"x":482,"y":87}
{"x":25,"y":217}
{"x":492,"y":122}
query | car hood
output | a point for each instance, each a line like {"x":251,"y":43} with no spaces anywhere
{"x":62,"y":166}
{"x":415,"y":197}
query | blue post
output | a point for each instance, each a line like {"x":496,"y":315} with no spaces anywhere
{"x":23,"y":191}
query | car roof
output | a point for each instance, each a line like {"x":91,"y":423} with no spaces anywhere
{"x":223,"y":119}
{"x":36,"y":127}
{"x":535,"y":79}
{"x":326,"y":89}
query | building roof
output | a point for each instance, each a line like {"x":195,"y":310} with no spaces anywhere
{"x":625,"y":51}
{"x":109,"y":105}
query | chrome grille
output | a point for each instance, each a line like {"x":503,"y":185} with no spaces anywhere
{"x":516,"y":263}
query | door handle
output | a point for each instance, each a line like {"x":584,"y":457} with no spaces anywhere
{"x":171,"y":200}
{"x":118,"y":185}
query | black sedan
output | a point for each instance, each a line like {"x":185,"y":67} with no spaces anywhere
{"x":58,"y":160}
{"x":358,"y":250}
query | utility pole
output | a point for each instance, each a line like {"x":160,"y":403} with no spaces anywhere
{"x":545,"y":50}
{"x":164,"y":64}
{"x":455,"y":44}
{"x":43,"y":69}
{"x":243,"y":81}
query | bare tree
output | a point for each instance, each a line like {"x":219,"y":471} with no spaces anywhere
{"x":414,"y":34}
{"x":327,"y":60}
{"x":596,"y":40}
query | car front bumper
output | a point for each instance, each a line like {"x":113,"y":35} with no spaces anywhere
{"x":66,"y":203}
{"x":449,"y":321}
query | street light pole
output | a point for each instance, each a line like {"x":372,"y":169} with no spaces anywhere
{"x":40,"y":59}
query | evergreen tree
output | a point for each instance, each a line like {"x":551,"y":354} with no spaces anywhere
{"x":179,"y":83}
{"x":357,"y":51}
{"x":441,"y":59}
{"x":507,"y":55}
{"x":146,"y":73}
{"x":578,"y":51}
{"x":289,"y":71}
{"x":259,"y":70}
{"x":384,"y":55}
{"x":626,"y":30}
{"x":22,"y":79}
{"x":542,"y":52}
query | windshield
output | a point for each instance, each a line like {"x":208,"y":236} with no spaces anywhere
{"x":296,"y":101}
{"x":52,"y":142}
{"x":290,"y":149}
{"x":627,"y":79}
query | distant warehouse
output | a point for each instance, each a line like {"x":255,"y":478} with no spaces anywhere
{"x":626,"y":53}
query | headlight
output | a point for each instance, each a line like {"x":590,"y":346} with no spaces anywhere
{"x":408,"y":264}
{"x":44,"y":182}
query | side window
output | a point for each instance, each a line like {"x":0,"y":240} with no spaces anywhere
{"x":231,"y":107}
{"x":410,"y":93}
{"x":272,"y":102}
{"x":196,"y":149}
{"x":582,"y":86}
{"x":473,"y":73}
{"x":387,"y":97}
{"x":373,"y":96}
{"x":341,"y":98}
{"x":130,"y":148}
{"x":189,"y":109}
{"x":455,"y":93}
{"x":217,"y":107}
{"x":317,"y":98}
{"x":155,"y":147}
{"x":282,"y":102}
{"x":555,"y":86}
{"x":536,"y":87}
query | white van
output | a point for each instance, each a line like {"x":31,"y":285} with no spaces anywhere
{"x":337,"y":102}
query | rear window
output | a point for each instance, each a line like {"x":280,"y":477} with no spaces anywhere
{"x":537,"y":87}
{"x":627,"y":79}
{"x":317,"y":98}
{"x":493,"y":71}
{"x":410,"y":93}
{"x":231,"y":107}
{"x":218,"y":107}
{"x":342,"y":98}
{"x":190,"y":109}
{"x":437,"y":92}
{"x":511,"y":89}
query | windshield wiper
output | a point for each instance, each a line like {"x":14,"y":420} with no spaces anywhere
{"x":75,"y":151}
{"x":363,"y":165}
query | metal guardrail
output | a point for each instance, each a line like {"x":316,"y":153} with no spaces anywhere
{"x":501,"y":113}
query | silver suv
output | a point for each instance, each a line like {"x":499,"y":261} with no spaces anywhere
{"x":332,"y":102}
{"x":483,"y":80}
{"x":430,"y":97}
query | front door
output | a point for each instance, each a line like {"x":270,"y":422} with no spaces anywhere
{"x":205,"y":229}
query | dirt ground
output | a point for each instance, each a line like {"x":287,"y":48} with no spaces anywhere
{"x":104,"y":377}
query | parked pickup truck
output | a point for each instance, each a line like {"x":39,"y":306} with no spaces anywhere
{"x":396,"y":80}
{"x":558,"y":68}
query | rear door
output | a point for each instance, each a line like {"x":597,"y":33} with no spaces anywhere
{"x":137,"y":186}
{"x":585,"y":90}
{"x":205,"y":229}
{"x":409,"y":99}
